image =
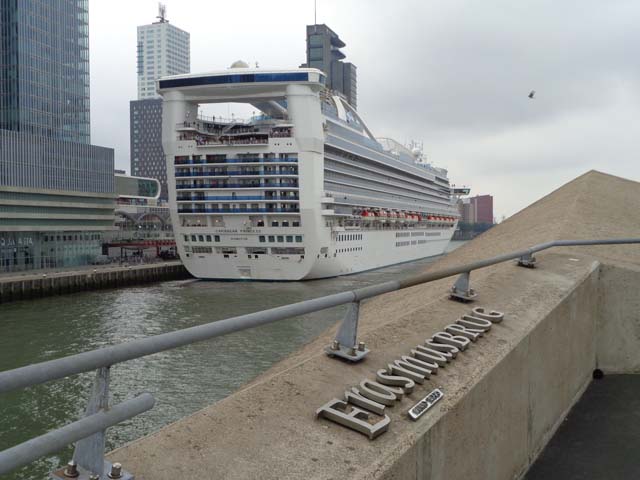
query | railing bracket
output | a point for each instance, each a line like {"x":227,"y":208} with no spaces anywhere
{"x":461,"y":290}
{"x":345,"y":344}
{"x":527,"y":260}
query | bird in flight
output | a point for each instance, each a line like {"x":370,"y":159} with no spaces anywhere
{"x":532,"y":94}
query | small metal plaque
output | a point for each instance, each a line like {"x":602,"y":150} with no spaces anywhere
{"x":425,"y":404}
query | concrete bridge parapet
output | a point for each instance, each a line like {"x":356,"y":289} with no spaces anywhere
{"x":504,"y":395}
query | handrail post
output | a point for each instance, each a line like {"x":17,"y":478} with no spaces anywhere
{"x":88,"y":456}
{"x":527,"y":260}
{"x":345,"y":344}
{"x":461,"y":290}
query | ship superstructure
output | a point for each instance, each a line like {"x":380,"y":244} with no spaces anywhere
{"x":303,"y":190}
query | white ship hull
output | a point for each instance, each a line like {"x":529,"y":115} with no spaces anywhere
{"x":376,"y":249}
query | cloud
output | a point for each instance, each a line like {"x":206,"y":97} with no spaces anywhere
{"x":454,"y":74}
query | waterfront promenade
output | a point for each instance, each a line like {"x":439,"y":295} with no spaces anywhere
{"x":40,"y":283}
{"x":504,"y":397}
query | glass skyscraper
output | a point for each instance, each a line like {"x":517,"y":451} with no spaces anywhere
{"x":323,"y":53}
{"x":56,"y":189}
{"x":44,"y":68}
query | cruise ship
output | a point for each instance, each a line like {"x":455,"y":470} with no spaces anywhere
{"x":301,"y":190}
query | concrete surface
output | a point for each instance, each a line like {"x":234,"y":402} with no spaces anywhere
{"x":599,"y":439}
{"x":504,"y":397}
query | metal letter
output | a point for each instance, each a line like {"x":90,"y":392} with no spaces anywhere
{"x":455,"y":329}
{"x":386,"y":378}
{"x":380,"y":393}
{"x":356,"y":419}
{"x":457,"y":341}
{"x":356,"y":398}
{"x":430,"y":355}
{"x":475,"y":324}
{"x":442,"y":348}
{"x":419,"y":366}
{"x":493,"y":316}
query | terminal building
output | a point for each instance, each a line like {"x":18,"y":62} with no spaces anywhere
{"x":142,"y":226}
{"x":56,"y":189}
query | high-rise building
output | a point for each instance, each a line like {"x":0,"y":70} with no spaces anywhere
{"x":478,"y":209}
{"x":163,"y":49}
{"x":44,"y":68}
{"x":56,"y":189}
{"x":323,"y":53}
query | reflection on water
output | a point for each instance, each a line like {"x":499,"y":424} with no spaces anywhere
{"x":182,"y":380}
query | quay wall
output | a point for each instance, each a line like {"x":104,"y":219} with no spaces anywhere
{"x":504,"y":396}
{"x":21,"y":287}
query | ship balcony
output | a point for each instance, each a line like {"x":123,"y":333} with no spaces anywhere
{"x":252,"y":173}
{"x":252,"y":185}
{"x":291,"y":210}
{"x":239,"y":198}
{"x":222,"y":161}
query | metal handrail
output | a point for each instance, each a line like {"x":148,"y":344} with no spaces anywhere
{"x":83,"y":362}
{"x":56,"y":440}
{"x":101,"y":359}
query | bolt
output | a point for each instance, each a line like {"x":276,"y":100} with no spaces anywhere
{"x":335,"y":345}
{"x":116,"y":471}
{"x":352,"y":351}
{"x":361,"y":346}
{"x":72,"y":470}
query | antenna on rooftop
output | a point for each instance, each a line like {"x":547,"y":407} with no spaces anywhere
{"x":162,"y":13}
{"x":315,"y":11}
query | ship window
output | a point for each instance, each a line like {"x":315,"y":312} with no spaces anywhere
{"x":201,"y":238}
{"x":285,"y":224}
{"x":289,"y":238}
{"x":186,"y":238}
{"x":298,"y":238}
{"x":280,"y":238}
{"x":216,"y":238}
{"x":274,"y":224}
{"x":262,"y":239}
{"x":296,"y":224}
{"x":193,"y":238}
{"x":272,"y":238}
{"x":208,"y":238}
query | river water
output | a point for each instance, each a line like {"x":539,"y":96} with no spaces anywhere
{"x":182,"y":380}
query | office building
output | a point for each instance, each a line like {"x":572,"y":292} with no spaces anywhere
{"x":323,"y":53}
{"x":478,"y":209}
{"x":163,"y":49}
{"x":56,"y":189}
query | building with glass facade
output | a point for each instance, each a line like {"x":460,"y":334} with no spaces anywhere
{"x":44,"y":68}
{"x":163,"y":49}
{"x":323,"y":53}
{"x":56,"y":189}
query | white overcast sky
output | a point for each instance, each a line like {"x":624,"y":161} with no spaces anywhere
{"x":454,"y":74}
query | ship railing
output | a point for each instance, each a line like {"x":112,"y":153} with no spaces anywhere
{"x":238,"y":197}
{"x":223,"y":161}
{"x":89,"y":432}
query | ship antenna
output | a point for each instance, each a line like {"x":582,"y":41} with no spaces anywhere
{"x":315,"y":11}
